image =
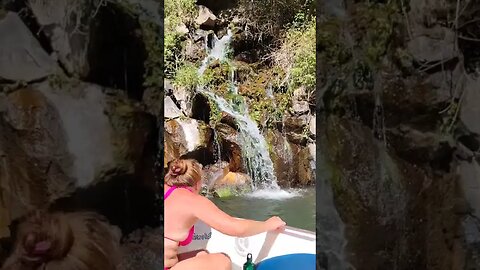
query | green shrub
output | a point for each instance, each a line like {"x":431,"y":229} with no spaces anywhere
{"x":304,"y":58}
{"x":153,"y":64}
{"x":171,"y":52}
{"x":297,"y":53}
{"x":373,"y":26}
{"x":187,"y":76}
{"x":266,"y":18}
{"x":176,"y":13}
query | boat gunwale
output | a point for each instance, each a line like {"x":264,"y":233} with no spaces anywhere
{"x":301,"y":230}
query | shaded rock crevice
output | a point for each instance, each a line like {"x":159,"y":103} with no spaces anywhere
{"x":116,"y":52}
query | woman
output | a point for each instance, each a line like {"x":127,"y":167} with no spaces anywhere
{"x":63,"y":241}
{"x":184,"y":206}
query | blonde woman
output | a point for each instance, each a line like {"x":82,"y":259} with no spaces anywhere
{"x":184,"y":207}
{"x":64,"y":241}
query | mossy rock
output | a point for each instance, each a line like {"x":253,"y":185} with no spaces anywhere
{"x":231,"y":191}
{"x":224,"y":192}
{"x":217,"y":73}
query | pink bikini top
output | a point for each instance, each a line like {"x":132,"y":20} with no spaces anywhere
{"x":190,"y":234}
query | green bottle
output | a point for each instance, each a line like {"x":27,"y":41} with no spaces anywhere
{"x":249,"y":265}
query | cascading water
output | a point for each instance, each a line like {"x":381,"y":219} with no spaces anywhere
{"x":331,"y":238}
{"x":216,"y":146}
{"x":192,"y":136}
{"x":254,"y":146}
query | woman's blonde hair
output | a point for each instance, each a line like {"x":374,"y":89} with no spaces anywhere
{"x":59,"y":241}
{"x":183,"y":172}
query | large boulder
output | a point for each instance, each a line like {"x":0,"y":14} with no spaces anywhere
{"x":232,"y":184}
{"x":194,"y":50}
{"x":152,"y":98}
{"x":21,"y":56}
{"x":282,"y":158}
{"x":436,"y":45}
{"x":171,"y":109}
{"x":469,"y":110}
{"x":66,"y":24}
{"x":181,"y":96}
{"x":297,"y":124}
{"x":184,"y":136}
{"x":293,"y":164}
{"x":213,"y":173}
{"x":36,"y":164}
{"x":231,"y":147}
{"x":375,"y":190}
{"x":205,"y":17}
{"x":58,"y":138}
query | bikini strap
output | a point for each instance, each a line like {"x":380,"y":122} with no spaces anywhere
{"x":171,"y":189}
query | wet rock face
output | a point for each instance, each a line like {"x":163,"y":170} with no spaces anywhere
{"x":470,"y":211}
{"x":65,"y":23}
{"x":436,"y":45}
{"x":117,"y":51}
{"x":423,"y":105}
{"x":470,"y":113}
{"x":56,"y":140}
{"x":385,"y":201}
{"x":68,"y":144}
{"x":143,"y":249}
{"x":36,"y":165}
{"x":292,"y":162}
{"x":15,"y":64}
{"x":230,"y":148}
{"x":187,"y":138}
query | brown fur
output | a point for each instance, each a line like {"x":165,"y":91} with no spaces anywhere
{"x":64,"y":241}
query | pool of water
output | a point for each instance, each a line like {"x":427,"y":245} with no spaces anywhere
{"x":295,"y":207}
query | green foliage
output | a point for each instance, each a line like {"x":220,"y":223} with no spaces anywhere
{"x":153,"y":64}
{"x":187,"y":76}
{"x":264,"y":109}
{"x":266,"y":18}
{"x":215,"y":113}
{"x":218,"y":74}
{"x":331,"y":49}
{"x":301,"y":40}
{"x":171,"y":52}
{"x":374,"y":26}
{"x":176,"y":13}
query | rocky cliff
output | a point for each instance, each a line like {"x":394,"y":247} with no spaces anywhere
{"x":80,"y":110}
{"x":397,"y":82}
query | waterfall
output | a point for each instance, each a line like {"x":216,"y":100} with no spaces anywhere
{"x":331,"y":239}
{"x":191,"y":132}
{"x":254,"y":146}
{"x":216,"y":146}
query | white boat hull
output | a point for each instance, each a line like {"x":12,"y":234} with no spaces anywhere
{"x":262,"y":246}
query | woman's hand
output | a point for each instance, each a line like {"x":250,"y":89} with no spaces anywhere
{"x":274,"y":223}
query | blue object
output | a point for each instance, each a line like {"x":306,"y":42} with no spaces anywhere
{"x":299,"y":261}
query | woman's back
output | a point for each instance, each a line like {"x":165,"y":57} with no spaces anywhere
{"x":179,"y":221}
{"x":178,"y":216}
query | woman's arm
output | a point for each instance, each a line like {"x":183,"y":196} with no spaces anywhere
{"x":208,"y":212}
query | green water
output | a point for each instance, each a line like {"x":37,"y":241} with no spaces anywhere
{"x":297,"y":210}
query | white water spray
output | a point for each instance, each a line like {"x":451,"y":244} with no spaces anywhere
{"x":191,"y":131}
